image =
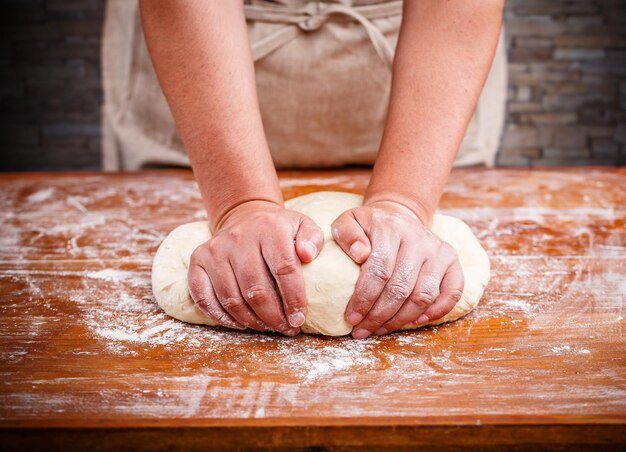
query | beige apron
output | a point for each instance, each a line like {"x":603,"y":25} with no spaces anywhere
{"x":323,"y":77}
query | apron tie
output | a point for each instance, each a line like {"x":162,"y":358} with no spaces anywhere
{"x":312,"y":17}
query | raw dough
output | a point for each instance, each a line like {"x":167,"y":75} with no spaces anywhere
{"x":329,"y":279}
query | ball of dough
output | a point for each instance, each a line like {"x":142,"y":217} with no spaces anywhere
{"x":329,"y":279}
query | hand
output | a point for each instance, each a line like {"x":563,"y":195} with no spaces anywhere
{"x":248,"y":275}
{"x":408,"y":275}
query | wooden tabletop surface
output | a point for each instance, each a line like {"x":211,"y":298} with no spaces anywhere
{"x":88,"y":358}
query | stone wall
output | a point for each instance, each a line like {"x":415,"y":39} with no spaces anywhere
{"x":50,"y":90}
{"x":567,"y":83}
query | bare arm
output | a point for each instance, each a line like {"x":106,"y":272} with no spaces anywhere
{"x":444,"y":53}
{"x":248,"y":275}
{"x":202,"y":57}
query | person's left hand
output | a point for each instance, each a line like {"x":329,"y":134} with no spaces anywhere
{"x":408,"y":275}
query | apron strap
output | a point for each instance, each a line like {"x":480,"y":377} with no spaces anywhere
{"x":312,"y":17}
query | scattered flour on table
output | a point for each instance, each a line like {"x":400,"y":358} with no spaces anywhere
{"x":40,"y":196}
{"x":566,"y":350}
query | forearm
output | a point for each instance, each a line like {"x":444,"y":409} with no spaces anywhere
{"x":443,"y":56}
{"x":202,"y":58}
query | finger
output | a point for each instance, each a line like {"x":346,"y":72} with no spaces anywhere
{"x":202,"y":293}
{"x":451,"y":291}
{"x":226,"y":288}
{"x":351,"y":237}
{"x":395,"y":293}
{"x":258,"y":289}
{"x":309,"y":240}
{"x":286,"y":269}
{"x":375,"y":273}
{"x":422,"y":297}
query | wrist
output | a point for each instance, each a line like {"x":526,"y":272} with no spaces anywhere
{"x":403,"y":202}
{"x":243,"y":208}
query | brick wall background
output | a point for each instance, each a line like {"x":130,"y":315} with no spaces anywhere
{"x":50,"y":91}
{"x":567,"y":83}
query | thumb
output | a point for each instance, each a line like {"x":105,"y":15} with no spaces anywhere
{"x":351,"y":237}
{"x":309,"y":240}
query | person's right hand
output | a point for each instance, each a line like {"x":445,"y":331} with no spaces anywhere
{"x":248,"y":275}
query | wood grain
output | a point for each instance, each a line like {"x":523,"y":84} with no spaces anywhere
{"x":87,"y":359}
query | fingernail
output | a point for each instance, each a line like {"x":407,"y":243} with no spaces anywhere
{"x":292,"y":332}
{"x":421,"y":319}
{"x":355,"y":318}
{"x":360,"y":333}
{"x":380,"y":331}
{"x":356,"y":250}
{"x":310,"y":247}
{"x":296,"y":319}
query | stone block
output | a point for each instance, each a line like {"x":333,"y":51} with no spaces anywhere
{"x":604,"y":147}
{"x":12,"y":88}
{"x":530,"y":54}
{"x":512,"y":161}
{"x":556,"y":9}
{"x":557,"y":162}
{"x":531,"y":41}
{"x":552,"y":118}
{"x":542,"y":79}
{"x":19,"y":134}
{"x":601,"y":131}
{"x":520,"y":152}
{"x":597,"y":112}
{"x":568,"y":137}
{"x":524,"y":93}
{"x":606,"y":66}
{"x":620,"y":133}
{"x":68,"y":129}
{"x":585,"y":20}
{"x":523,"y":107}
{"x":566,"y":153}
{"x":584,"y":41}
{"x":532,"y":27}
{"x":571,"y":102}
{"x":522,"y":136}
{"x":579,"y":54}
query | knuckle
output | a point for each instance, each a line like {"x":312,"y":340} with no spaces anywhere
{"x":257,"y":294}
{"x":203,"y":305}
{"x":231,"y":304}
{"x":430,"y":285}
{"x":222,"y":319}
{"x":378,"y":269}
{"x":422,"y":300}
{"x":281,"y":326}
{"x":432,"y":249}
{"x":455,"y":295}
{"x":398,"y":291}
{"x":198,"y":256}
{"x":286,"y":266}
{"x":361,"y":305}
{"x":213,"y":245}
{"x":234,"y":235}
{"x":375,"y":319}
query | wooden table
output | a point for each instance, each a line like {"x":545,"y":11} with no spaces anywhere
{"x":87,"y":358}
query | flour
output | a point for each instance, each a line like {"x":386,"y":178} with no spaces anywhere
{"x":40,"y":196}
{"x":75,"y":253}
